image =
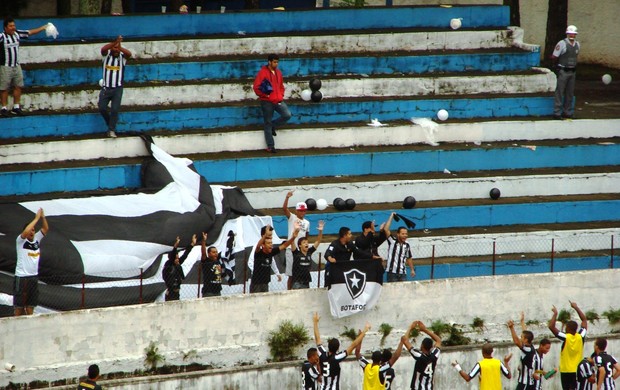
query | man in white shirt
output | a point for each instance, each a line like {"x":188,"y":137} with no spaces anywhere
{"x":26,"y":291}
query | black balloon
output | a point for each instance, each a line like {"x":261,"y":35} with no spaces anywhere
{"x":316,"y":96}
{"x":494,"y":193}
{"x":340,"y":204}
{"x":311,"y":203}
{"x":350,"y":204}
{"x":409,"y":202}
{"x":315,"y":84}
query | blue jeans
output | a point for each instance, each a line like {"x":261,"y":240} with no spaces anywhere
{"x":268,"y":108}
{"x":107,"y":95}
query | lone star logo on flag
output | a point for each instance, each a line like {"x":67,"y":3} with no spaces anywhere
{"x":356,"y":282}
{"x":355,"y":286}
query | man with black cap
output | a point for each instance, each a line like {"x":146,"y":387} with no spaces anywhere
{"x":91,"y":382}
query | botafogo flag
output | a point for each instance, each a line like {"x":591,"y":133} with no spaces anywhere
{"x":355,"y":286}
{"x":110,"y":250}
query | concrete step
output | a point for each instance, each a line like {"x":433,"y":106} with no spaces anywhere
{"x":163,"y":95}
{"x":90,"y":175}
{"x":271,"y":22}
{"x":176,"y":69}
{"x":233,"y":114}
{"x":476,"y":213}
{"x":55,"y":149}
{"x":475,"y":185}
{"x":329,"y":42}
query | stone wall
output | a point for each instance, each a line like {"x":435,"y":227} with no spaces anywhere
{"x":228,"y":331}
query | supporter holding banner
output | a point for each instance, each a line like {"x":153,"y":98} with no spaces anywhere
{"x":355,"y":286}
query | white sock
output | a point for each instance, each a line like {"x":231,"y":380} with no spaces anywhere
{"x":15,"y":105}
{"x":4,"y":107}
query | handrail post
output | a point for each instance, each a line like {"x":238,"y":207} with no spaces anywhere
{"x":433,"y":263}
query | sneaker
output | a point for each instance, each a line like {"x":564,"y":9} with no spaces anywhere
{"x":271,"y":150}
{"x":4,"y":113}
{"x":17,"y":111}
{"x":111,"y":134}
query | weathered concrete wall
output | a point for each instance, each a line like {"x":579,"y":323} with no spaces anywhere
{"x":230,"y":330}
{"x":596,"y":22}
{"x":286,"y":376}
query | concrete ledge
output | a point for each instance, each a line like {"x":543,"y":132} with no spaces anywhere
{"x":162,"y":96}
{"x":286,"y":45}
{"x":36,"y":181}
{"x":452,"y":187}
{"x":304,"y":138}
{"x":269,"y":22}
{"x":112,"y":337}
{"x":205,"y":68}
{"x":234,"y":115}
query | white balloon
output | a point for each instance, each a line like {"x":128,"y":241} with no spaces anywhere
{"x":321,"y":204}
{"x":606,"y":79}
{"x":442,"y":115}
{"x":455,"y":23}
{"x":306,"y":94}
{"x":101,"y":82}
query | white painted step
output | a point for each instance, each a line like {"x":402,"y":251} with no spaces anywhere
{"x":334,"y":137}
{"x":286,"y":45}
{"x":166,"y":95}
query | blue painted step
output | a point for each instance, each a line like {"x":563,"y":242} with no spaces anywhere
{"x":514,"y":267}
{"x":265,"y":168}
{"x":470,"y":216}
{"x":271,"y":22}
{"x":334,"y":111}
{"x":292,"y":67}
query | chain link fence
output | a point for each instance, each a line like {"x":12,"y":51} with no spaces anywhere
{"x":434,"y":258}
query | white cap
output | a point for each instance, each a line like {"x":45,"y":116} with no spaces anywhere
{"x":571,"y":29}
{"x":301,"y":206}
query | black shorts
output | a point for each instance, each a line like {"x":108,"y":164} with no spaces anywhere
{"x":569,"y":380}
{"x":26,"y":291}
{"x":521,"y":386}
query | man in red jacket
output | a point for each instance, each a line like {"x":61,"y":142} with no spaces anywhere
{"x":269,"y":87}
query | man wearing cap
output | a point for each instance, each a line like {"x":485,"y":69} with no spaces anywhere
{"x":565,"y":54}
{"x":296,"y":219}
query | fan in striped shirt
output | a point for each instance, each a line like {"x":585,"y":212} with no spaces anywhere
{"x":425,"y":357}
{"x":585,"y":374}
{"x":114,"y":59}
{"x":398,"y":254}
{"x":11,"y":75}
{"x":525,"y":380}
{"x":607,"y":366}
{"x":539,"y":371}
{"x":330,"y":358}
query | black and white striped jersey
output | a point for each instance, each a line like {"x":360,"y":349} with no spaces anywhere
{"x":330,"y":368}
{"x":113,"y":70}
{"x":537,"y":365}
{"x":607,"y":362}
{"x":584,"y":372}
{"x":424,"y":369}
{"x":309,"y":376}
{"x":9,"y":47}
{"x":397,"y":256}
{"x":526,"y":372}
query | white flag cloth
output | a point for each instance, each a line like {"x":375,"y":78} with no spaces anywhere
{"x":355,"y":286}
